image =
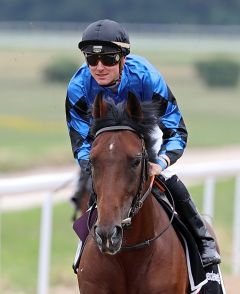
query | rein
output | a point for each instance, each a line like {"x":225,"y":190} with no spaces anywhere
{"x":149,"y":241}
{"x":139,"y":198}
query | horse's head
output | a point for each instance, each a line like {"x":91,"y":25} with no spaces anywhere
{"x":119,"y":167}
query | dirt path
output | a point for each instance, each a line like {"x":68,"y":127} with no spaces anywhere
{"x":232,"y":284}
{"x":210,"y":154}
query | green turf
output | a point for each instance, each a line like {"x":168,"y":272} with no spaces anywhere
{"x":20,"y":248}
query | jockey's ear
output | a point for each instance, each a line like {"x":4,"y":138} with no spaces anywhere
{"x":133,"y":107}
{"x":99,"y":106}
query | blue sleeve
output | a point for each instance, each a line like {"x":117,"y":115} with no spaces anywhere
{"x":78,"y":121}
{"x":171,"y":123}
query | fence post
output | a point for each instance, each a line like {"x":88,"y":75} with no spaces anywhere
{"x":45,"y":245}
{"x":208,"y":198}
{"x":1,"y":236}
{"x":236,"y":230}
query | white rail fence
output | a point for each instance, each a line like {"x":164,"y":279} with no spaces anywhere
{"x":208,"y":172}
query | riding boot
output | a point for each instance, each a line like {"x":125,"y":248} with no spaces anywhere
{"x":192,"y":219}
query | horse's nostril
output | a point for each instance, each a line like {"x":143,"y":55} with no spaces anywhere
{"x":116,"y":235}
{"x":98,"y":235}
{"x":111,"y":236}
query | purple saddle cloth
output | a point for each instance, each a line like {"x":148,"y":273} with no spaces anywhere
{"x":84,"y":223}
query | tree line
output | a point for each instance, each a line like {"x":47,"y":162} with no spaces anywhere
{"x":216,"y":12}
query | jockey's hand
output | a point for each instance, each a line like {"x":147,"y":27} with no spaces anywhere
{"x":154,"y":169}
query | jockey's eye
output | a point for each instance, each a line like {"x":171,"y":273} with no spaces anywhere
{"x":136,"y":161}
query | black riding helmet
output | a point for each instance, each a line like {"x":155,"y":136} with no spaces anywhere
{"x":105,"y":36}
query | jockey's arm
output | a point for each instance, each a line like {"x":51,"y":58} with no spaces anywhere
{"x":174,"y":137}
{"x":78,"y":123}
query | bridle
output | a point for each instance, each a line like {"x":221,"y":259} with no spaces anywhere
{"x":140,"y":197}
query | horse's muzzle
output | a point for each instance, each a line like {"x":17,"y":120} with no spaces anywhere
{"x":109,"y":241}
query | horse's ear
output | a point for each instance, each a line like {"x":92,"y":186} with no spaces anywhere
{"x":99,"y":106}
{"x":133,"y":107}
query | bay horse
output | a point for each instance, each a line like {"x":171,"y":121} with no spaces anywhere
{"x":132,"y":248}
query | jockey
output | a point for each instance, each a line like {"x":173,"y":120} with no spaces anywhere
{"x":109,"y":68}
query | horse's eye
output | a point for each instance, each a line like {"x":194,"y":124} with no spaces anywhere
{"x":136,"y":161}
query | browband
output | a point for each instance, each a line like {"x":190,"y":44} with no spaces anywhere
{"x":114,"y":128}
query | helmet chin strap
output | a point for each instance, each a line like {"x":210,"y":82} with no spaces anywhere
{"x":121,"y":64}
{"x":112,"y":84}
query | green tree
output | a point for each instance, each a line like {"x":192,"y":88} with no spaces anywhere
{"x":142,"y":11}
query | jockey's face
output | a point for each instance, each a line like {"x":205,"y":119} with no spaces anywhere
{"x":106,"y":75}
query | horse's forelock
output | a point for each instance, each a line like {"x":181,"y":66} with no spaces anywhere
{"x":117,"y":115}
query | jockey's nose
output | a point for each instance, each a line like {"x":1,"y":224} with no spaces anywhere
{"x":99,"y":65}
{"x":108,"y":240}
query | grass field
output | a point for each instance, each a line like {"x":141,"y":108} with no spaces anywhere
{"x":32,"y":118}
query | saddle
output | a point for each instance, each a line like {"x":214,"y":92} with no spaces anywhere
{"x":202,"y":280}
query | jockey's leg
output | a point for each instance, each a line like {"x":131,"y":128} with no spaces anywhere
{"x":188,"y":212}
{"x":92,"y":195}
{"x":81,"y":183}
{"x":83,"y":187}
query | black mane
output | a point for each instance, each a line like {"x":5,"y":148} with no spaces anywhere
{"x":118,"y":116}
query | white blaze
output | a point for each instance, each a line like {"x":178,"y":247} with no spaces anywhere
{"x":111,"y":146}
